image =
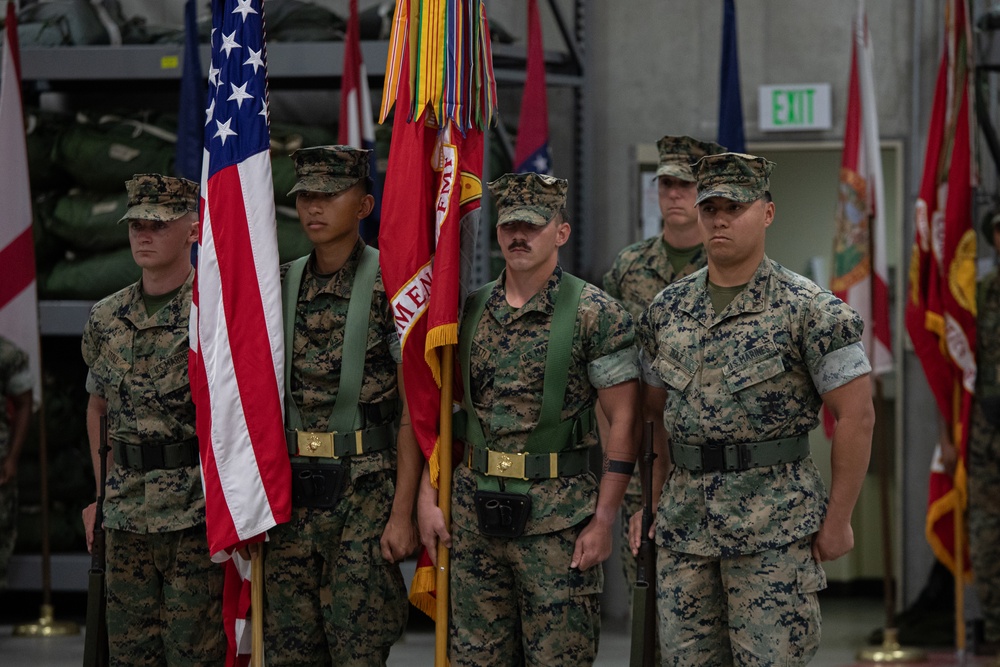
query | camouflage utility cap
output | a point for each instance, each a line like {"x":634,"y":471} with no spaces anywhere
{"x":532,"y":198}
{"x":677,"y":154}
{"x":160,"y":198}
{"x":734,"y":176}
{"x":329,"y":169}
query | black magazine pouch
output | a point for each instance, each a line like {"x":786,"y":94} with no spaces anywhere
{"x":316,"y":486}
{"x":502,"y":514}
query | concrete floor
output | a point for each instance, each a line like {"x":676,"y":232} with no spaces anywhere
{"x":846,"y":624}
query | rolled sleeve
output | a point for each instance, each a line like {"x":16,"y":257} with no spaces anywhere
{"x":614,"y":368}
{"x":649,"y":376}
{"x":20,"y":382}
{"x":840,"y":367}
{"x":395,"y":350}
{"x":93,"y":385}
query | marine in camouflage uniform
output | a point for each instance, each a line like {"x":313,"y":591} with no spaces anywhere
{"x":534,"y":599}
{"x":738,"y":358}
{"x":164,"y":592}
{"x":335,"y":594}
{"x":643,"y":269}
{"x":15,"y":386}
{"x":984,"y":449}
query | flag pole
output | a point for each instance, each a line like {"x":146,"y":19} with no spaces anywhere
{"x":958,"y":520}
{"x":890,"y":649}
{"x":959,"y":517}
{"x":46,"y":625}
{"x":257,"y":605}
{"x":444,"y":503}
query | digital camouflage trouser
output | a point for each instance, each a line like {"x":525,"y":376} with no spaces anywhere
{"x":984,"y":519}
{"x":164,"y":600}
{"x":517,"y":602}
{"x":331,"y":599}
{"x":756,"y":609}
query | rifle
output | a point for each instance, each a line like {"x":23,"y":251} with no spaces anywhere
{"x":95,"y":649}
{"x":644,"y":622}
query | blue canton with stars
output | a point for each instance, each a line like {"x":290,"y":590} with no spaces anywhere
{"x":539,"y":162}
{"x":236,"y":118}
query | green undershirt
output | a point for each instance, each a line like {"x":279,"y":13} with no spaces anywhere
{"x":680,"y":257}
{"x":154,"y":303}
{"x":723,"y":296}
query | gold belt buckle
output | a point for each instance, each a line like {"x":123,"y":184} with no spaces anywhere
{"x":502,"y":464}
{"x":312,"y":443}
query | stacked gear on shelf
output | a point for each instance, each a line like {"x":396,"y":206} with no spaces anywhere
{"x":78,"y":167}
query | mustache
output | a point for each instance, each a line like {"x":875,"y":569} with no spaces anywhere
{"x":514,"y":245}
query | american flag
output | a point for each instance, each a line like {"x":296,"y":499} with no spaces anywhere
{"x":237,"y":351}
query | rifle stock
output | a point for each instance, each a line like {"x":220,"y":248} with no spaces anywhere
{"x":95,"y":650}
{"x":644,"y":620}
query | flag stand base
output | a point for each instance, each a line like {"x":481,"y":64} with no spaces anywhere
{"x":891,"y":651}
{"x":46,"y":626}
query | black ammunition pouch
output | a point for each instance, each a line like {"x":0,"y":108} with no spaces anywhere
{"x":317,"y":486}
{"x":502,"y":514}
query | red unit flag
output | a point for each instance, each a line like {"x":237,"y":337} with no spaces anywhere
{"x":941,"y":303}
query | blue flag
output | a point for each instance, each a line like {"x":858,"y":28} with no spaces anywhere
{"x":191,"y":113}
{"x":730,"y":106}
{"x":532,"y":150}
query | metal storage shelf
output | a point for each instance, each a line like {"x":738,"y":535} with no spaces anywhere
{"x":63,"y":318}
{"x":285,"y":60}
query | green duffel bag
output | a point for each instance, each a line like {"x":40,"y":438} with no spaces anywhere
{"x":286,"y":138}
{"x":89,"y":220}
{"x":283,"y":177}
{"x":92,"y":277}
{"x":60,"y":23}
{"x":42,"y":129}
{"x":102,"y":155}
{"x":375,"y":23}
{"x":49,"y":248}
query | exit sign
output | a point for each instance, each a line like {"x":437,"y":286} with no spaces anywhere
{"x":800,"y":106}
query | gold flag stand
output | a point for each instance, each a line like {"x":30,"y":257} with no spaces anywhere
{"x":46,"y":625}
{"x":890,"y":649}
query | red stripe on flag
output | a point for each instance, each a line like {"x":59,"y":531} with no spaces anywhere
{"x":18,"y":262}
{"x":223,"y":531}
{"x":249,"y":342}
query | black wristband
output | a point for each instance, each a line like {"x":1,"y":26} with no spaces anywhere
{"x":621,"y":467}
